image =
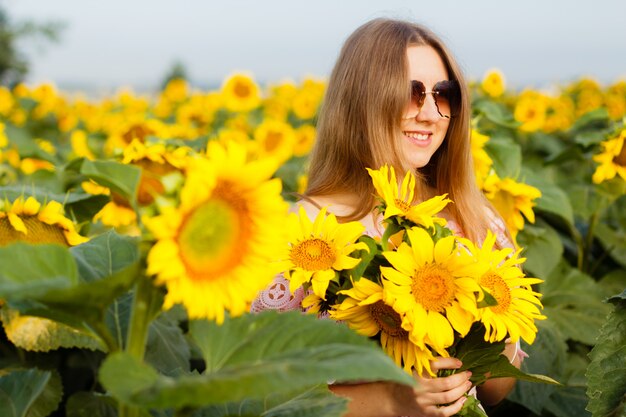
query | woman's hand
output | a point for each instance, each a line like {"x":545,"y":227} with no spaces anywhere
{"x":433,"y":392}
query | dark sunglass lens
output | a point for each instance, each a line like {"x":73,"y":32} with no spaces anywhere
{"x":448,"y":94}
{"x":417,"y":93}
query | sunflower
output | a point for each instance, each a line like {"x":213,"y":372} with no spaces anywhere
{"x":612,"y":160}
{"x":305,"y":138}
{"x":318,"y":250}
{"x":511,"y":199}
{"x":482,"y":160}
{"x":530,"y":110}
{"x":365,"y":311}
{"x":26,"y":220}
{"x":399,"y":202}
{"x":155,"y":162}
{"x":493,"y":83}
{"x":213,"y":251}
{"x":275,"y":139}
{"x":241,"y":93}
{"x":518,"y":305}
{"x":432,"y":285}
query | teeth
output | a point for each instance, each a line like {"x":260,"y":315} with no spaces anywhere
{"x":418,"y":136}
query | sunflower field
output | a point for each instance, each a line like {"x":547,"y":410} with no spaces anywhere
{"x":135,"y":231}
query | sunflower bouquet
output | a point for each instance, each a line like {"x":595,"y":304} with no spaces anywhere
{"x":418,"y":289}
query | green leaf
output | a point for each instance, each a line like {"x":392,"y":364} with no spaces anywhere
{"x":43,"y":335}
{"x":35,"y":270}
{"x":49,"y":399}
{"x":568,"y":402}
{"x":614,"y":282}
{"x":496,"y":113}
{"x":588,"y":199}
{"x":547,"y":355}
{"x":314,"y":402}
{"x":606,"y":374}
{"x":26,"y":393}
{"x":484,"y":358}
{"x":90,"y":404}
{"x":506,"y":155}
{"x":167,"y":349}
{"x":542,"y":248}
{"x":613,"y":241}
{"x":573,"y":302}
{"x":122,"y":178}
{"x":105,"y":255}
{"x":366,"y":257}
{"x":553,"y":199}
{"x":593,"y":120}
{"x":251,"y":357}
{"x":471,"y":408}
{"x":81,"y":306}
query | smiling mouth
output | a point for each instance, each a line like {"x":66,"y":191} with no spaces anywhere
{"x":417,"y":136}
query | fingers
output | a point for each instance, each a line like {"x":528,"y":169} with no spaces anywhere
{"x":445,"y":363}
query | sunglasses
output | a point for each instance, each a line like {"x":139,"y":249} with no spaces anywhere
{"x":447,"y":96}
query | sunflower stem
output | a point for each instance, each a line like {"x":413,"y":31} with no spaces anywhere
{"x":141,"y":315}
{"x":589,"y":242}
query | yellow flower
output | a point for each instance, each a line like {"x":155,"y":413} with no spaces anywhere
{"x":275,"y":139}
{"x":214,"y":251}
{"x":116,"y":213}
{"x":80,"y":147}
{"x":241,"y":93}
{"x":27,"y":221}
{"x":155,"y":161}
{"x":305,"y":138}
{"x":612,"y":160}
{"x":6,"y":101}
{"x":432,"y":285}
{"x":365,"y":311}
{"x":398,"y":202}
{"x":530,"y":110}
{"x":493,"y":83}
{"x":482,"y":161}
{"x":30,"y":165}
{"x":317,"y":250}
{"x":511,"y":199}
{"x":3,"y":137}
{"x":303,"y":181}
{"x":175,"y":91}
{"x":518,"y":305}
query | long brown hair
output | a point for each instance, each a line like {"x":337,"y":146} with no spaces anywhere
{"x":360,"y":120}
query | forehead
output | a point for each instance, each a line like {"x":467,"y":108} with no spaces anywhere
{"x":425,"y":65}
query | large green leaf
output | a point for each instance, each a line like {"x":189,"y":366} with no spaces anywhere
{"x":35,"y":270}
{"x":553,"y":199}
{"x":588,"y":199}
{"x":495,"y":113}
{"x":542,"y":248}
{"x":506,"y":155}
{"x":50,"y":286}
{"x":49,"y":399}
{"x":29,"y":393}
{"x":42,"y":335}
{"x":484,"y":358}
{"x":573,"y":302}
{"x":570,"y":399}
{"x":613,"y":241}
{"x":167,"y":349}
{"x":314,"y":402}
{"x":251,"y":357}
{"x":105,"y":255}
{"x":547,"y":355}
{"x":90,"y":404}
{"x":122,"y":178}
{"x":606,"y":374}
{"x":592,"y":120}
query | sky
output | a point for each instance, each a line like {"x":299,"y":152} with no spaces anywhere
{"x":133,"y":43}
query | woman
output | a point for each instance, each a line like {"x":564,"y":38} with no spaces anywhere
{"x":396,"y":96}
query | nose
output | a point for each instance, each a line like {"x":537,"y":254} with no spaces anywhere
{"x":429,"y":111}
